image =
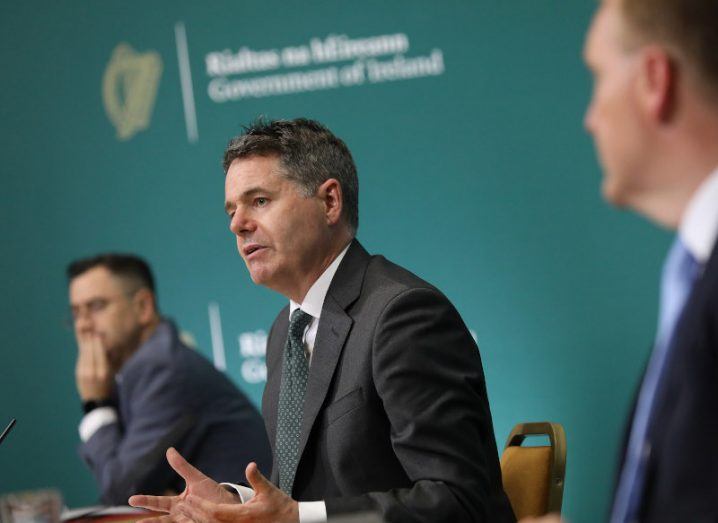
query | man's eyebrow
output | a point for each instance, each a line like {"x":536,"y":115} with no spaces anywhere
{"x":228,"y":205}
{"x":85,"y":302}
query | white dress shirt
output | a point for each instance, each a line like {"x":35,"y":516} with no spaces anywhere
{"x":314,"y":301}
{"x":309,"y":511}
{"x":95,"y":420}
{"x":699,"y":225}
{"x":99,"y":417}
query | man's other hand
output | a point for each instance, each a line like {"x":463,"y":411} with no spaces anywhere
{"x":93,"y":373}
{"x":269,"y":505}
{"x":204,"y":501}
{"x":196,"y":483}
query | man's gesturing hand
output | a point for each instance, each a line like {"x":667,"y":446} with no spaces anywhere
{"x":93,"y":372}
{"x":196,"y":483}
{"x":269,"y":505}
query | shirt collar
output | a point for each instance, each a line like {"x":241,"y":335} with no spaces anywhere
{"x":314,"y":300}
{"x":699,"y":226}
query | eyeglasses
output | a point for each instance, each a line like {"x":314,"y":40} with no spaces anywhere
{"x":91,"y":307}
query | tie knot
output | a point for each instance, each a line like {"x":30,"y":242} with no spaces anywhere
{"x":680,"y":272}
{"x":682,"y":264}
{"x":299,"y":320}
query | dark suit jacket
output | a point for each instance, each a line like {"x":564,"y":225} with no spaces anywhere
{"x":169,"y":395}
{"x":682,"y":473}
{"x":396,"y":417}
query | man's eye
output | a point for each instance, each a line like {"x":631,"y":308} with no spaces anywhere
{"x":261,"y":202}
{"x":97,"y":305}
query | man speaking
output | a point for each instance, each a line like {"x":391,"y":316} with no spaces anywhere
{"x":375,"y":397}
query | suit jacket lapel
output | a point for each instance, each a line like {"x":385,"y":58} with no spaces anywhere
{"x":688,"y":328}
{"x":334,"y":327}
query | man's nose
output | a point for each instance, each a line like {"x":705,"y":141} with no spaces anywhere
{"x":241,"y":223}
{"x":83,"y":322}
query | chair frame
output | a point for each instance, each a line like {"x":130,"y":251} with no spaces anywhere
{"x":557,"y":438}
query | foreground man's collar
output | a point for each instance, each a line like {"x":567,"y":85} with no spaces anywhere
{"x":699,"y":227}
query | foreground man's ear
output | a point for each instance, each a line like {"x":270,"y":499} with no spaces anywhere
{"x":658,"y":84}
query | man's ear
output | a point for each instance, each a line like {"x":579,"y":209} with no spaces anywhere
{"x":330,"y":194}
{"x":144,"y":302}
{"x":657,"y":85}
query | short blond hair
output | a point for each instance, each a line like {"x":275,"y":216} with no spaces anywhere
{"x":690,"y":27}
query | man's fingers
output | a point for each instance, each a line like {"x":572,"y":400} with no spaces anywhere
{"x":184,"y":513}
{"x":83,"y":341}
{"x":197,"y":509}
{"x":183,"y":468}
{"x":99,"y":355}
{"x":83,"y":351}
{"x":181,"y":517}
{"x":156,"y":503}
{"x":91,"y":350}
{"x":258,"y":482}
{"x":203,"y":511}
{"x":199,"y":504}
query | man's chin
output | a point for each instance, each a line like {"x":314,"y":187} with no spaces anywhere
{"x":613,"y":193}
{"x":258,"y":276}
{"x":267,"y":279}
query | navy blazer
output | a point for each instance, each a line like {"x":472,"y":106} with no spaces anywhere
{"x":396,"y":418}
{"x":170,"y":395}
{"x":682,"y":470}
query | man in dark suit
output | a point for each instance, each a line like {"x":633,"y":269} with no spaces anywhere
{"x":143,"y":389}
{"x":654,"y":118}
{"x":375,"y":397}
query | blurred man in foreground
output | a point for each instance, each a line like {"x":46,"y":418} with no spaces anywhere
{"x":375,"y":396}
{"x":143,"y":389}
{"x":654,"y":118}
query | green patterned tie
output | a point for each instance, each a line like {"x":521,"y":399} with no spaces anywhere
{"x":295,"y":371}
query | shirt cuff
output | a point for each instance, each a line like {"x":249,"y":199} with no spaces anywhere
{"x":309,"y":511}
{"x":312,"y":512}
{"x":94,"y":420}
{"x":244,"y":493}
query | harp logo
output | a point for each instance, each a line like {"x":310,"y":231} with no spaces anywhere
{"x":129,"y":89}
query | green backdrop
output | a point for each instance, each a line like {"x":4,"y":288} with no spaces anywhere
{"x":465,"y":120}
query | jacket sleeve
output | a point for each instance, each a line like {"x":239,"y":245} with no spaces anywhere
{"x":128,"y":459}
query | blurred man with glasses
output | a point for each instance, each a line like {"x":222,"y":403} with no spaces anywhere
{"x":143,"y":389}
